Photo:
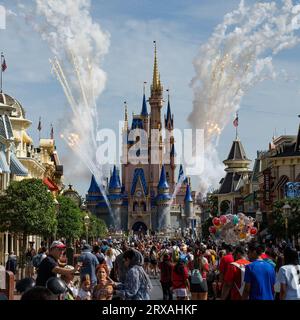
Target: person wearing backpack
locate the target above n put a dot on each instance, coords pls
(38, 258)
(233, 285)
(198, 281)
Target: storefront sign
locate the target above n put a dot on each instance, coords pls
(267, 187)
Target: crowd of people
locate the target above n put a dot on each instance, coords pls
(186, 269)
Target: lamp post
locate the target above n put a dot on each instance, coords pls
(86, 223)
(286, 213)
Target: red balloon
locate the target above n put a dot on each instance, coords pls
(223, 219)
(253, 231)
(212, 229)
(216, 221)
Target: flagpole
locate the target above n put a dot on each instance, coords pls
(236, 128)
(1, 72)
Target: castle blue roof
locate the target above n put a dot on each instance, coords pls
(169, 117)
(137, 123)
(94, 198)
(188, 194)
(181, 175)
(114, 182)
(163, 183)
(115, 196)
(139, 172)
(94, 188)
(144, 107)
(163, 197)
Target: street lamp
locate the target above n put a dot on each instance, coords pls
(259, 218)
(286, 213)
(86, 223)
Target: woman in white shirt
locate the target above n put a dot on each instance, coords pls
(289, 276)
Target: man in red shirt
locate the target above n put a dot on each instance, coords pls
(233, 285)
(225, 261)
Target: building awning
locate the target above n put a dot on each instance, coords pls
(16, 167)
(4, 168)
(50, 184)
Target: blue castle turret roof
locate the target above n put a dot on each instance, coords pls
(163, 183)
(188, 194)
(94, 188)
(144, 107)
(181, 175)
(169, 118)
(137, 123)
(114, 182)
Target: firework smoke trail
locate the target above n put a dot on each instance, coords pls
(237, 56)
(177, 188)
(79, 46)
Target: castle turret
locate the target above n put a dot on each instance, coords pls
(115, 198)
(170, 147)
(163, 203)
(188, 207)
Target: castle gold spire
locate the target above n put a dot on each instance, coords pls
(156, 85)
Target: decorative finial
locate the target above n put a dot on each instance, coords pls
(168, 90)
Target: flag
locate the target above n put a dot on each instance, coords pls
(236, 121)
(40, 125)
(4, 65)
(52, 132)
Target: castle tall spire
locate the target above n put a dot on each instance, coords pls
(156, 84)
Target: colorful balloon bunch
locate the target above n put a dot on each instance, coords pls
(233, 228)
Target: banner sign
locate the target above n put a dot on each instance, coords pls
(267, 187)
(292, 190)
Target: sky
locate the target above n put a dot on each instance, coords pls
(179, 28)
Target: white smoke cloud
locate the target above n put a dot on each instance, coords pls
(236, 57)
(79, 46)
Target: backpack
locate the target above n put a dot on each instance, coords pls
(242, 268)
(36, 260)
(196, 277)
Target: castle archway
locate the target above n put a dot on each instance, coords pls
(139, 227)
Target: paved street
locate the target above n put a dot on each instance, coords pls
(156, 293)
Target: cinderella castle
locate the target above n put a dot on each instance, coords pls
(142, 197)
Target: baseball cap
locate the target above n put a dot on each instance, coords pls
(57, 244)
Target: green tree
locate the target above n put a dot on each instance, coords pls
(69, 219)
(27, 208)
(96, 228)
(277, 226)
